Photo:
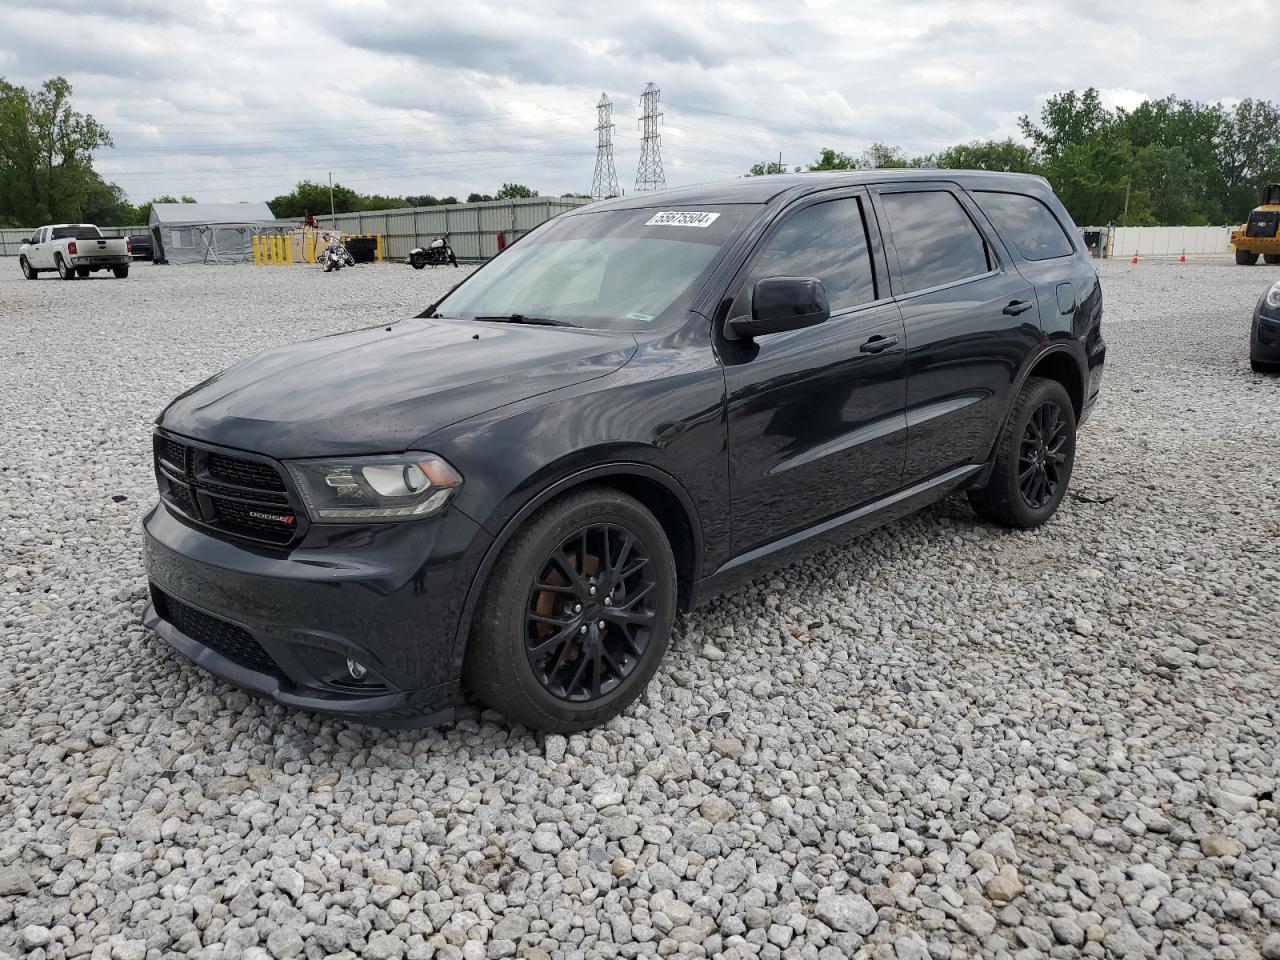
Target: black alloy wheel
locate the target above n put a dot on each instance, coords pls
(576, 613)
(1033, 458)
(1042, 457)
(590, 613)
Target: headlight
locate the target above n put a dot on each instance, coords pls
(1273, 296)
(404, 487)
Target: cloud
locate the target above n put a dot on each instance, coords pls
(228, 101)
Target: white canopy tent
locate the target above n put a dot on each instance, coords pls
(210, 232)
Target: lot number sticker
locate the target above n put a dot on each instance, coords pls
(681, 218)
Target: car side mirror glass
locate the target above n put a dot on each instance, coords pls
(779, 304)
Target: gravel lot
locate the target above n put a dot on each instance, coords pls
(944, 741)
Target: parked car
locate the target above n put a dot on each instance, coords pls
(74, 250)
(1264, 332)
(140, 246)
(642, 403)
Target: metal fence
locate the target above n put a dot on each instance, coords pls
(473, 227)
(12, 239)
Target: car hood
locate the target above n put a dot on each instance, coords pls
(378, 390)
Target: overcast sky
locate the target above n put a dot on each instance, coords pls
(239, 100)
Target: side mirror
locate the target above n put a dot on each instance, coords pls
(779, 304)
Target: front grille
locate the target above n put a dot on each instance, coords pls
(233, 642)
(244, 473)
(233, 495)
(274, 525)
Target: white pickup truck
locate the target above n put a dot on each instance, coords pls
(74, 250)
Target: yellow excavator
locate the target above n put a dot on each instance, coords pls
(1260, 236)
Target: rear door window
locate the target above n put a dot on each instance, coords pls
(1026, 224)
(936, 241)
(826, 240)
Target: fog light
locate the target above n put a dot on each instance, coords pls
(357, 669)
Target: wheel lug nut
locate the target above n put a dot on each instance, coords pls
(593, 591)
(601, 624)
(577, 608)
(583, 630)
(608, 601)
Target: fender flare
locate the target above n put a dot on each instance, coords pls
(1020, 381)
(544, 496)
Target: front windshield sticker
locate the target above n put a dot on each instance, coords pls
(639, 316)
(681, 218)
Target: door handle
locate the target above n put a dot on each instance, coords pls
(877, 344)
(1016, 307)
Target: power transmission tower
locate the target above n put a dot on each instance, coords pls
(605, 182)
(649, 175)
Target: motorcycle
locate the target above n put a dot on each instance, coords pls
(437, 253)
(334, 256)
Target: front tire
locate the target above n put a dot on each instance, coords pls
(1245, 258)
(1271, 258)
(576, 614)
(121, 272)
(28, 271)
(1034, 458)
(64, 269)
(1261, 366)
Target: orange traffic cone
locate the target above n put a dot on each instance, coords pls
(1183, 258)
(1135, 257)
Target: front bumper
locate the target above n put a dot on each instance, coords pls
(283, 623)
(1264, 339)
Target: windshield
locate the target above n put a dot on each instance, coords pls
(83, 232)
(617, 269)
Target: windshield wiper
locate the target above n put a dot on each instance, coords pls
(521, 318)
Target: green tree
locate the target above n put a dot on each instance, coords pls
(881, 156)
(514, 191)
(831, 159)
(766, 169)
(108, 204)
(1007, 156)
(1067, 119)
(309, 198)
(46, 154)
(479, 197)
(448, 201)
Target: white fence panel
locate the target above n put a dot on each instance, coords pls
(1170, 241)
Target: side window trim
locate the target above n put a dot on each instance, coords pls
(876, 246)
(995, 263)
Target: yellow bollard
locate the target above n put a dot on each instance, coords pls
(288, 250)
(378, 249)
(278, 252)
(257, 251)
(310, 250)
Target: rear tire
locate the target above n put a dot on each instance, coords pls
(28, 271)
(535, 658)
(1261, 366)
(1034, 458)
(121, 272)
(1245, 258)
(64, 271)
(1271, 258)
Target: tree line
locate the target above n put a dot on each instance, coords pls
(1168, 161)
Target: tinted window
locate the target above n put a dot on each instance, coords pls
(76, 232)
(937, 242)
(827, 241)
(1026, 224)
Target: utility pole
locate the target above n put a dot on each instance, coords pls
(333, 217)
(1126, 199)
(605, 182)
(649, 174)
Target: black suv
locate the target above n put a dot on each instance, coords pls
(639, 404)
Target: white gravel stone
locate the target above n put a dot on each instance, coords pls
(1090, 705)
